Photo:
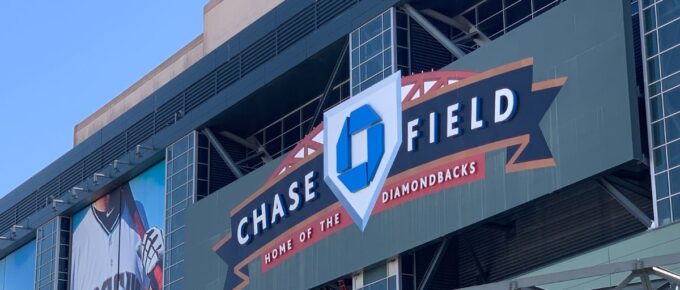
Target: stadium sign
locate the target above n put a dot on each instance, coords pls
(401, 139)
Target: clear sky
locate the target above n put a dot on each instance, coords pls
(62, 60)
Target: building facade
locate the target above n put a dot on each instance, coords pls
(355, 144)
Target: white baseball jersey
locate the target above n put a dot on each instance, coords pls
(95, 261)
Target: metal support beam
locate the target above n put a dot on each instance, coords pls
(461, 23)
(646, 283)
(265, 155)
(251, 144)
(438, 35)
(484, 274)
(631, 186)
(436, 259)
(626, 203)
(668, 275)
(223, 153)
(239, 140)
(625, 282)
(329, 86)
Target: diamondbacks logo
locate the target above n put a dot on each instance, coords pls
(361, 140)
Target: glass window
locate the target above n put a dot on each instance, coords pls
(489, 8)
(517, 12)
(392, 283)
(660, 159)
(661, 181)
(669, 35)
(355, 36)
(372, 51)
(675, 203)
(371, 29)
(387, 61)
(407, 282)
(371, 67)
(672, 101)
(663, 208)
(653, 69)
(649, 18)
(673, 154)
(670, 61)
(492, 26)
(180, 194)
(375, 79)
(656, 109)
(655, 89)
(672, 81)
(674, 179)
(402, 19)
(375, 274)
(355, 58)
(651, 43)
(387, 39)
(673, 127)
(657, 134)
(539, 4)
(668, 10)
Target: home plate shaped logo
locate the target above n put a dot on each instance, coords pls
(361, 138)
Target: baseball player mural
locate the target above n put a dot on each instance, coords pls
(118, 240)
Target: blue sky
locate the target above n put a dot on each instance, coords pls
(62, 60)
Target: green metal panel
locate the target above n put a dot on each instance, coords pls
(591, 127)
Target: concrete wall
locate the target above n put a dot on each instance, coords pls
(221, 20)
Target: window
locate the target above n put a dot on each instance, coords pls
(372, 55)
(380, 277)
(186, 182)
(52, 261)
(660, 27)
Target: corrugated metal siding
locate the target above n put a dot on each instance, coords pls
(200, 91)
(168, 113)
(92, 163)
(327, 10)
(71, 177)
(113, 149)
(258, 53)
(140, 131)
(296, 28)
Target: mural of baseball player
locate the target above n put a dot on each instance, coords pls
(118, 240)
(17, 270)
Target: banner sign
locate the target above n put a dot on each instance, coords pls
(401, 139)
